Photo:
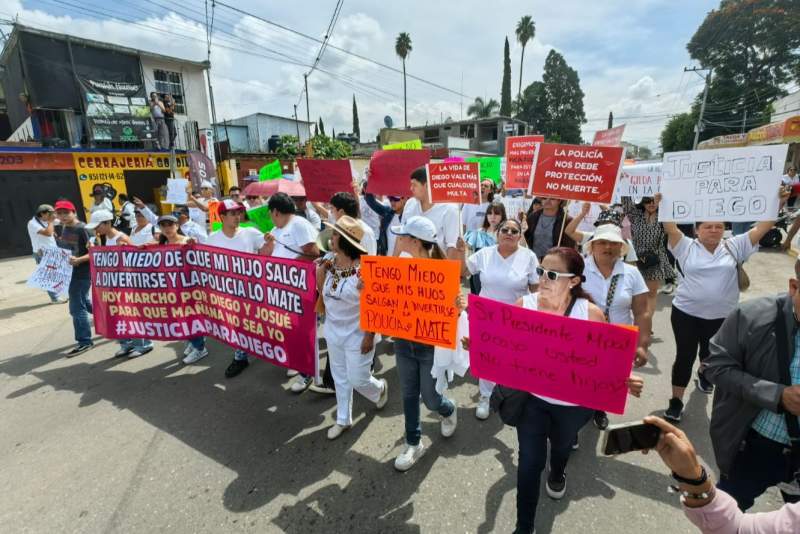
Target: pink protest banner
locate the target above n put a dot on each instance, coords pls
(520, 153)
(573, 172)
(261, 305)
(390, 170)
(576, 361)
(323, 178)
(454, 182)
(610, 137)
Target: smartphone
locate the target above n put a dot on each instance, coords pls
(627, 437)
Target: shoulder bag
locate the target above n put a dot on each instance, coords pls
(741, 275)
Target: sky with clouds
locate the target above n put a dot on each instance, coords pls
(629, 54)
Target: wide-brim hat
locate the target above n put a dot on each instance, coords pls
(350, 229)
(607, 232)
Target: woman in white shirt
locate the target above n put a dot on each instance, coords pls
(350, 349)
(507, 272)
(142, 232)
(708, 292)
(485, 236)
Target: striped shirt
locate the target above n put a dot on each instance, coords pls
(772, 425)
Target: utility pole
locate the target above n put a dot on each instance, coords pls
(610, 119)
(308, 113)
(744, 121)
(296, 124)
(699, 124)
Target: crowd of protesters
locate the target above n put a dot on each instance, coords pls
(539, 260)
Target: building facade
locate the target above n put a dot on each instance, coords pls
(252, 133)
(486, 135)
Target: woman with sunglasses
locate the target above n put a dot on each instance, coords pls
(350, 350)
(416, 238)
(507, 272)
(485, 236)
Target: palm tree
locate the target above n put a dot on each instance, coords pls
(402, 47)
(526, 29)
(480, 109)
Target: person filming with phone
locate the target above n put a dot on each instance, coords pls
(754, 363)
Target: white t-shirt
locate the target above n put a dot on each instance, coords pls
(246, 239)
(313, 217)
(143, 236)
(195, 231)
(368, 241)
(38, 240)
(472, 215)
(788, 180)
(504, 279)
(443, 216)
(127, 212)
(391, 239)
(629, 285)
(104, 205)
(290, 239)
(630, 257)
(579, 311)
(372, 219)
(709, 287)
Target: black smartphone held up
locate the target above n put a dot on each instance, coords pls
(627, 437)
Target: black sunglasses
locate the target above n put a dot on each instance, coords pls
(509, 231)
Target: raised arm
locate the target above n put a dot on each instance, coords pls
(674, 233)
(572, 228)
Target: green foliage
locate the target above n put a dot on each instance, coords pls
(326, 148)
(644, 153)
(402, 46)
(532, 107)
(321, 127)
(356, 126)
(288, 148)
(505, 89)
(678, 134)
(480, 109)
(526, 30)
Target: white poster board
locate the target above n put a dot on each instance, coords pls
(587, 224)
(176, 191)
(725, 184)
(637, 181)
(53, 272)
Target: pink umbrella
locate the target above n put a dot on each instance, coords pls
(270, 187)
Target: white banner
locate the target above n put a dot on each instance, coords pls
(725, 184)
(53, 272)
(637, 181)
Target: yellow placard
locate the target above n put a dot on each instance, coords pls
(414, 144)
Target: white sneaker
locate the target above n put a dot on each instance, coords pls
(187, 349)
(668, 289)
(122, 352)
(291, 373)
(409, 457)
(336, 430)
(384, 398)
(449, 423)
(482, 411)
(195, 356)
(300, 384)
(139, 352)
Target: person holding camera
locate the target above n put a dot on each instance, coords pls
(159, 125)
(754, 363)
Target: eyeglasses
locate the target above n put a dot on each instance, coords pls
(553, 275)
(509, 231)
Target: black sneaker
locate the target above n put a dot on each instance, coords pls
(703, 385)
(674, 411)
(600, 420)
(556, 487)
(78, 350)
(236, 367)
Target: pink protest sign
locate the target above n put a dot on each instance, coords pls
(261, 305)
(581, 362)
(390, 170)
(323, 178)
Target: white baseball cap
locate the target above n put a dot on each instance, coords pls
(206, 184)
(99, 217)
(419, 227)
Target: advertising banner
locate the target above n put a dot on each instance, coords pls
(116, 111)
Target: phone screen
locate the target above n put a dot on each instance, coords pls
(631, 437)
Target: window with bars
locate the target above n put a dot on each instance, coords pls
(168, 82)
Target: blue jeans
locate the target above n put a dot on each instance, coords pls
(79, 308)
(738, 228)
(135, 344)
(414, 363)
(198, 343)
(53, 296)
(759, 466)
(542, 421)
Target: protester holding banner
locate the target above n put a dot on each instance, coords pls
(391, 215)
(72, 235)
(507, 272)
(708, 292)
(472, 215)
(546, 227)
(350, 350)
(41, 229)
(416, 238)
(444, 216)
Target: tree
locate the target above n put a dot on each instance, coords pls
(402, 47)
(321, 127)
(505, 89)
(526, 29)
(480, 109)
(753, 47)
(324, 147)
(564, 99)
(288, 148)
(645, 153)
(678, 134)
(532, 107)
(356, 127)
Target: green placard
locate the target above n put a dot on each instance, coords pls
(414, 144)
(260, 218)
(270, 171)
(490, 168)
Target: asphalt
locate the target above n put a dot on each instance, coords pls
(93, 444)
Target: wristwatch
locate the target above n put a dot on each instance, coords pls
(692, 482)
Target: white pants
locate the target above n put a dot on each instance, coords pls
(351, 370)
(485, 387)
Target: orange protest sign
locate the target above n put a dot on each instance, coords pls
(411, 299)
(213, 213)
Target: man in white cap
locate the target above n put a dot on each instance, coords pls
(41, 230)
(444, 216)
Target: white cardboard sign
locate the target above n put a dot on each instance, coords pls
(637, 181)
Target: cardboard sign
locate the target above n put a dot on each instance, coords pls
(53, 272)
(520, 154)
(259, 304)
(176, 191)
(213, 213)
(412, 299)
(270, 171)
(572, 172)
(414, 144)
(723, 184)
(610, 137)
(571, 360)
(390, 171)
(454, 182)
(260, 218)
(637, 181)
(323, 178)
(490, 168)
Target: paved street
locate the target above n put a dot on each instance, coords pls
(95, 444)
